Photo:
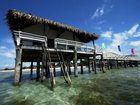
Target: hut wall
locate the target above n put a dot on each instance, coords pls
(38, 29)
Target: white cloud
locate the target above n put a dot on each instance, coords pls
(6, 52)
(121, 38)
(135, 43)
(133, 29)
(107, 34)
(99, 12)
(137, 34)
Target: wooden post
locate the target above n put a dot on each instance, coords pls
(81, 66)
(18, 65)
(75, 63)
(38, 71)
(117, 64)
(108, 64)
(89, 65)
(124, 63)
(94, 57)
(47, 70)
(54, 69)
(69, 67)
(92, 65)
(62, 69)
(31, 72)
(102, 64)
(21, 70)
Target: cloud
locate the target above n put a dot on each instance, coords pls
(135, 43)
(133, 29)
(6, 52)
(137, 34)
(121, 38)
(107, 34)
(99, 12)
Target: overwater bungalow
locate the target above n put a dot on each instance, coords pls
(48, 42)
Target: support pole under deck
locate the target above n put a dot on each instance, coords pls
(38, 71)
(94, 57)
(31, 72)
(81, 66)
(21, 70)
(54, 69)
(18, 65)
(89, 65)
(69, 67)
(75, 63)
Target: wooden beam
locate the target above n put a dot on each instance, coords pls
(18, 65)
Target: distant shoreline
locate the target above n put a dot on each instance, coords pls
(12, 70)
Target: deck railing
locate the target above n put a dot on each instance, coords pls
(19, 35)
(71, 45)
(58, 42)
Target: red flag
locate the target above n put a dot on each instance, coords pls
(132, 51)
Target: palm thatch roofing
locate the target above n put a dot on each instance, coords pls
(18, 20)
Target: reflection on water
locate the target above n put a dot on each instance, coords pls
(115, 87)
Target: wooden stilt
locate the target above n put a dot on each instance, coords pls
(92, 64)
(75, 63)
(21, 70)
(102, 64)
(89, 65)
(38, 71)
(54, 69)
(94, 57)
(69, 67)
(62, 74)
(108, 64)
(124, 64)
(18, 65)
(81, 66)
(31, 72)
(47, 70)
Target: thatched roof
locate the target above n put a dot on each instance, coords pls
(19, 20)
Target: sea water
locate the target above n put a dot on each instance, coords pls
(115, 87)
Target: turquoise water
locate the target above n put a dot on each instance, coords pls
(115, 87)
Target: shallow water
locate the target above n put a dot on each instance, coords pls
(115, 87)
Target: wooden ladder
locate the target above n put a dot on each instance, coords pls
(45, 58)
(65, 72)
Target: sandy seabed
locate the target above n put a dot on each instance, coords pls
(115, 87)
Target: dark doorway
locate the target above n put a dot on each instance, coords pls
(50, 43)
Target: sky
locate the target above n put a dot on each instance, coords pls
(117, 22)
